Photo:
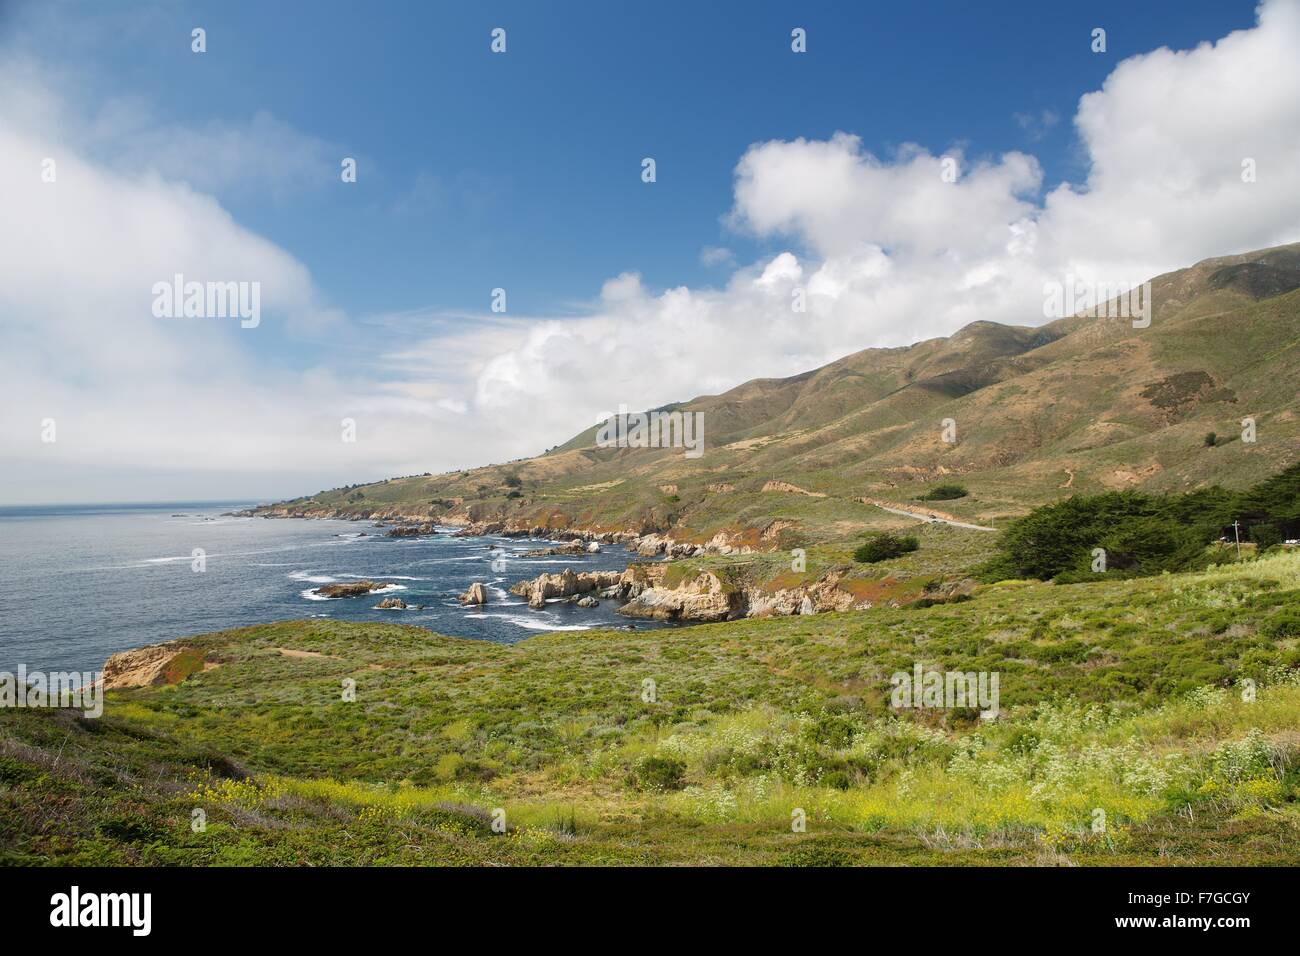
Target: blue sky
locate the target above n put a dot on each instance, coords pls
(522, 170)
(777, 173)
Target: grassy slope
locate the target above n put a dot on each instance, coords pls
(1103, 692)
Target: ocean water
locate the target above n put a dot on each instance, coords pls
(80, 583)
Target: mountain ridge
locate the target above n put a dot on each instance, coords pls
(1079, 404)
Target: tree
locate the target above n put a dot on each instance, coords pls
(1265, 536)
(1140, 533)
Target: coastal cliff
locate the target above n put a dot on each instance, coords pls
(667, 592)
(156, 664)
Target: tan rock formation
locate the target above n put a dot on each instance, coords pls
(477, 594)
(168, 663)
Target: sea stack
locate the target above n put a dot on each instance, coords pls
(476, 594)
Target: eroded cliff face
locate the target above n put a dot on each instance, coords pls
(707, 597)
(660, 591)
(566, 584)
(168, 663)
(704, 597)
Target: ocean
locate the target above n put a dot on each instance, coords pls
(78, 583)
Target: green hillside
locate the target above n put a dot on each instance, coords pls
(1079, 405)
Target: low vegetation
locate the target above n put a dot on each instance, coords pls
(1147, 720)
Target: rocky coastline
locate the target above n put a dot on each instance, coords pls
(645, 591)
(642, 590)
(644, 542)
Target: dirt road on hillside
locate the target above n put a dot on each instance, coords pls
(923, 514)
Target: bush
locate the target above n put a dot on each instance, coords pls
(1211, 439)
(1283, 624)
(659, 774)
(882, 547)
(837, 780)
(513, 481)
(944, 493)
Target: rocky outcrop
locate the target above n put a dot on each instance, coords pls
(477, 594)
(573, 547)
(168, 663)
(703, 598)
(791, 489)
(565, 584)
(350, 589)
(659, 591)
(413, 530)
(391, 604)
(821, 595)
(774, 528)
(707, 597)
(651, 545)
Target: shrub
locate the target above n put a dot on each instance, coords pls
(882, 547)
(659, 774)
(944, 493)
(1285, 623)
(837, 780)
(513, 481)
(1211, 439)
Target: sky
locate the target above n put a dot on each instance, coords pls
(126, 157)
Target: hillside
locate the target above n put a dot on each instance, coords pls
(1077, 405)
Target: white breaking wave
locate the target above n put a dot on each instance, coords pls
(387, 577)
(312, 578)
(532, 623)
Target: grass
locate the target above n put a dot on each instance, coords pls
(1167, 708)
